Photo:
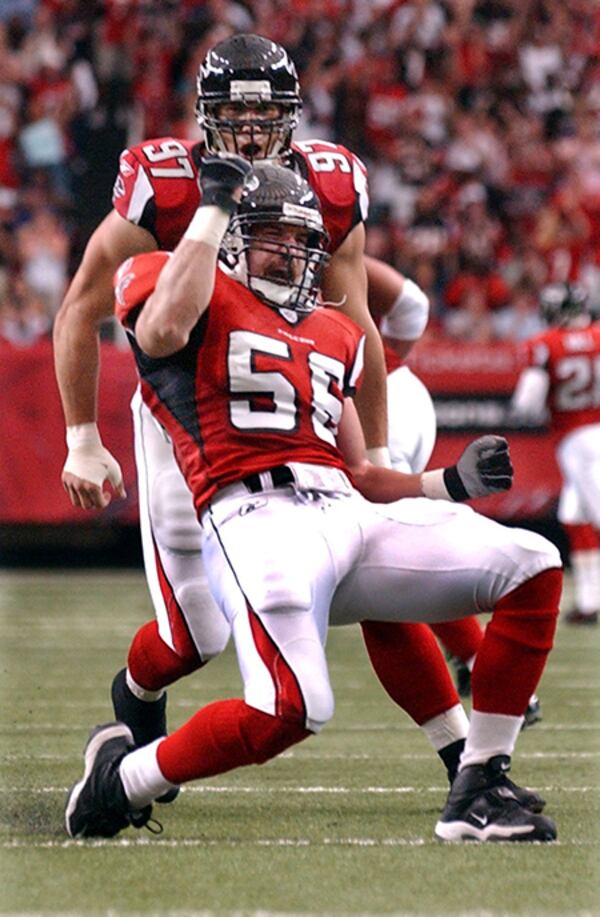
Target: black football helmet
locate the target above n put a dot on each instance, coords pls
(248, 70)
(560, 302)
(275, 195)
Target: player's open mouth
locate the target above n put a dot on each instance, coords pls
(278, 275)
(250, 150)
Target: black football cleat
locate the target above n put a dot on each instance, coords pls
(527, 798)
(146, 719)
(97, 805)
(482, 806)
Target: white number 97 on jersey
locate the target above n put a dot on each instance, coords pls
(162, 152)
(332, 158)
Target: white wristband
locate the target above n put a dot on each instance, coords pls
(433, 486)
(209, 225)
(380, 455)
(83, 434)
(407, 319)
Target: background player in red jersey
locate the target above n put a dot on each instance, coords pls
(254, 383)
(563, 378)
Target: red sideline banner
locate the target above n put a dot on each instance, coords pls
(470, 385)
(33, 442)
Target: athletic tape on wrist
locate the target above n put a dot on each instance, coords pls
(83, 434)
(443, 484)
(209, 225)
(433, 486)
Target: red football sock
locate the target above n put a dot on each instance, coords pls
(154, 665)
(408, 663)
(462, 638)
(222, 736)
(515, 646)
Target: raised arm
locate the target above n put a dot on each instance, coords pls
(186, 283)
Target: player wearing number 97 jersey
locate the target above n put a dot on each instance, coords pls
(157, 186)
(562, 376)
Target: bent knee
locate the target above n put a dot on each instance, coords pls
(319, 711)
(538, 554)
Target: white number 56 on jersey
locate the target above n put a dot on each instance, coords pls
(282, 415)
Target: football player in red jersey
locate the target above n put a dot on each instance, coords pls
(248, 103)
(562, 377)
(254, 383)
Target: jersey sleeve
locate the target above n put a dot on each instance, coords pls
(339, 179)
(156, 188)
(134, 281)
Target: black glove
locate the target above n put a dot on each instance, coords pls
(219, 177)
(483, 468)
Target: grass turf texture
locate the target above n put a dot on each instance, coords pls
(341, 824)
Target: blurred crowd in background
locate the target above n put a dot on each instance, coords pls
(479, 121)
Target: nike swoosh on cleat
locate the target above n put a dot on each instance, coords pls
(482, 819)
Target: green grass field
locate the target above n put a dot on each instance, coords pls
(341, 824)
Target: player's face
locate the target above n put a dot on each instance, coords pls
(250, 131)
(277, 252)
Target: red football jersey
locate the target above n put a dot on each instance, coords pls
(157, 187)
(250, 390)
(571, 357)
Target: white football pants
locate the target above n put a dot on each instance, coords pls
(284, 566)
(170, 530)
(578, 456)
(411, 421)
(171, 541)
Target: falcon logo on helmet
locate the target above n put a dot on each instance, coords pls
(276, 198)
(248, 98)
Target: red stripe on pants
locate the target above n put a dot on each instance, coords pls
(289, 702)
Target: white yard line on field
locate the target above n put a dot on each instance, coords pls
(306, 790)
(180, 843)
(256, 842)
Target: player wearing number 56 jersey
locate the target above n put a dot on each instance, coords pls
(249, 382)
(248, 103)
(292, 545)
(563, 378)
